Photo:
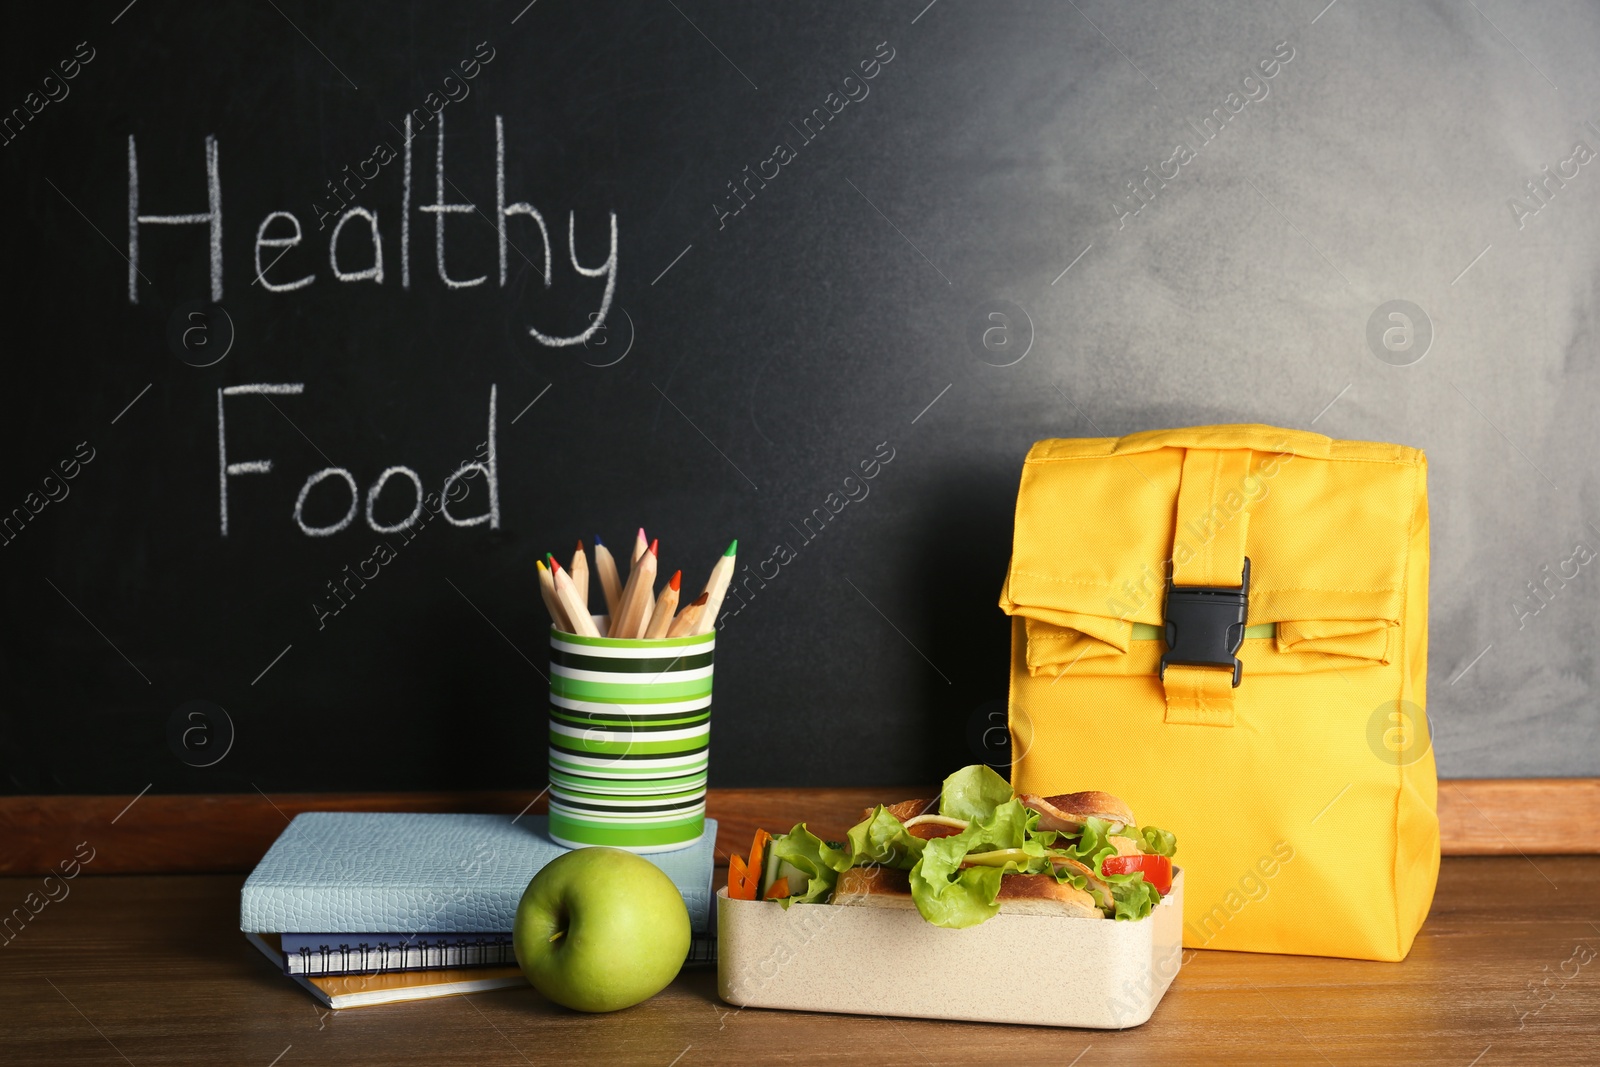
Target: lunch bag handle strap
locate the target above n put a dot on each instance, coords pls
(1208, 594)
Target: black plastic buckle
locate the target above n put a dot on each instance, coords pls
(1205, 625)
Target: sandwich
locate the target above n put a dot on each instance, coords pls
(974, 852)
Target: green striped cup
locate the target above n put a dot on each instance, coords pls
(630, 734)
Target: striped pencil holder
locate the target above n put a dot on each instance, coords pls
(630, 735)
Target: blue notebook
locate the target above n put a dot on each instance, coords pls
(420, 873)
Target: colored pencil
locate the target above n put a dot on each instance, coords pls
(688, 620)
(610, 584)
(638, 597)
(551, 566)
(717, 588)
(577, 614)
(666, 604)
(580, 575)
(547, 590)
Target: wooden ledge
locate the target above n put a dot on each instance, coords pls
(230, 832)
(1519, 816)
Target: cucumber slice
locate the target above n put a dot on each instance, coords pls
(798, 880)
(777, 868)
(769, 873)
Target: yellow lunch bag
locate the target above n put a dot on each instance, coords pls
(1227, 626)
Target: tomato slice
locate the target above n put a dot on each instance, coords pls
(1157, 870)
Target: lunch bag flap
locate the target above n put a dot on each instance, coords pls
(1190, 506)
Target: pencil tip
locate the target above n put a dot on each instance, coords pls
(653, 545)
(675, 580)
(597, 542)
(733, 548)
(555, 564)
(540, 564)
(580, 545)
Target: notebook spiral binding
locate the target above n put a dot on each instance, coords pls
(403, 954)
(419, 954)
(702, 951)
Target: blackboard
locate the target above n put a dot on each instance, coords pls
(783, 241)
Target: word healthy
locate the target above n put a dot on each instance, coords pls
(281, 231)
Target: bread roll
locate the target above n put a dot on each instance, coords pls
(1067, 812)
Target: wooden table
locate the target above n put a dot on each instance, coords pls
(151, 970)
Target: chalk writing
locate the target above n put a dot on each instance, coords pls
(280, 234)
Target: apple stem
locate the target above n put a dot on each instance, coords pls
(557, 935)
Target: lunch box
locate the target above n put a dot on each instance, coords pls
(890, 961)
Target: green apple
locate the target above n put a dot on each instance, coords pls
(600, 929)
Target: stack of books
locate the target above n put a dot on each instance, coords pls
(367, 908)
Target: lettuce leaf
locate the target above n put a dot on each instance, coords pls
(812, 856)
(1132, 896)
(878, 840)
(955, 897)
(1071, 877)
(973, 792)
(962, 898)
(1159, 842)
(1093, 845)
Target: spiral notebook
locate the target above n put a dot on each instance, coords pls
(364, 990)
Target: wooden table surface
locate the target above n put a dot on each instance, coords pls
(149, 970)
